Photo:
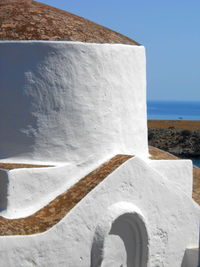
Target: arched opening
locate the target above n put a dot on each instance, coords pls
(126, 244)
(123, 244)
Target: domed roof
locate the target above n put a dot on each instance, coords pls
(30, 20)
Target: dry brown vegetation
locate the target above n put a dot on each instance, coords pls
(177, 124)
(11, 166)
(160, 154)
(60, 206)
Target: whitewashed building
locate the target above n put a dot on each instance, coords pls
(72, 106)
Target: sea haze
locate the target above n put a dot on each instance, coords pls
(173, 110)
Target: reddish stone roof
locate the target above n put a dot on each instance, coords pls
(30, 20)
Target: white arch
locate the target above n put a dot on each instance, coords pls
(124, 221)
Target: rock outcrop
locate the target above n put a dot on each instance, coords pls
(180, 142)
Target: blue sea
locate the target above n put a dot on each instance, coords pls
(174, 110)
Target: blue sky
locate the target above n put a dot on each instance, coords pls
(170, 31)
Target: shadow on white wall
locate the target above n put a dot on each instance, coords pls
(121, 242)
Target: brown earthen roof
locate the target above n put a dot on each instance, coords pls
(51, 214)
(30, 20)
(11, 166)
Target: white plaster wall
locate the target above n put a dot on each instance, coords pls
(170, 216)
(71, 102)
(25, 191)
(178, 171)
(121, 239)
(28, 190)
(80, 103)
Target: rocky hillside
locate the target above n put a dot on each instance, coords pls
(180, 142)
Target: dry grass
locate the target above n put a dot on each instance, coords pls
(159, 154)
(177, 124)
(11, 166)
(60, 206)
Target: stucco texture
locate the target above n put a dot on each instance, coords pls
(170, 228)
(71, 102)
(74, 106)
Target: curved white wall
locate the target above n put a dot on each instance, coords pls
(171, 219)
(71, 102)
